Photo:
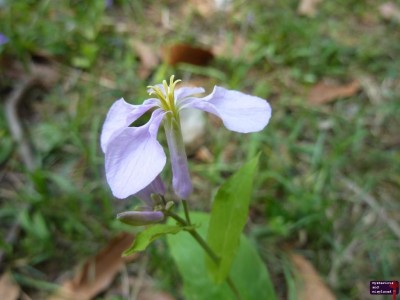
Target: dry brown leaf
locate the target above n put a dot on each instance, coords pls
(183, 53)
(311, 286)
(390, 11)
(308, 7)
(324, 92)
(148, 58)
(154, 295)
(97, 273)
(8, 288)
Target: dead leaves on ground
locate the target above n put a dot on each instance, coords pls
(9, 290)
(327, 91)
(92, 278)
(310, 285)
(97, 273)
(173, 54)
(185, 53)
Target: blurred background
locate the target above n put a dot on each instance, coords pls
(325, 209)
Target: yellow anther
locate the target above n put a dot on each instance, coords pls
(167, 98)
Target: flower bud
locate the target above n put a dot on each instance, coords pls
(139, 218)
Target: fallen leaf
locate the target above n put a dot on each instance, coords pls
(148, 58)
(154, 295)
(308, 8)
(97, 273)
(390, 11)
(9, 290)
(183, 53)
(311, 286)
(324, 92)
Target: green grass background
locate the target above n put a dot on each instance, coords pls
(318, 164)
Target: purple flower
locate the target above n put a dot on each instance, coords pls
(134, 157)
(3, 39)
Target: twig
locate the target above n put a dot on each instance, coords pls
(186, 209)
(17, 132)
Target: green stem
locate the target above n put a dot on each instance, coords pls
(193, 232)
(186, 209)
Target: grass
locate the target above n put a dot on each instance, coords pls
(310, 154)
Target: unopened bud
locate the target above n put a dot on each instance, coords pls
(139, 218)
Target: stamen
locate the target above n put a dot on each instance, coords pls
(167, 98)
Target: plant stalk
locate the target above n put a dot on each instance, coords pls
(186, 209)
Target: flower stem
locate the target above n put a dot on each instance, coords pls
(193, 232)
(186, 209)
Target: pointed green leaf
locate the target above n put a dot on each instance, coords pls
(249, 272)
(144, 238)
(228, 217)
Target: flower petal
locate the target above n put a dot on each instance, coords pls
(120, 116)
(239, 112)
(134, 158)
(183, 92)
(3, 39)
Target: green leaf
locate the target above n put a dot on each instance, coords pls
(248, 270)
(144, 238)
(228, 217)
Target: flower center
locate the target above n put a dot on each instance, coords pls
(166, 97)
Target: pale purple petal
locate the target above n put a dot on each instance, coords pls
(239, 112)
(155, 187)
(134, 158)
(120, 116)
(3, 39)
(139, 218)
(180, 170)
(183, 92)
